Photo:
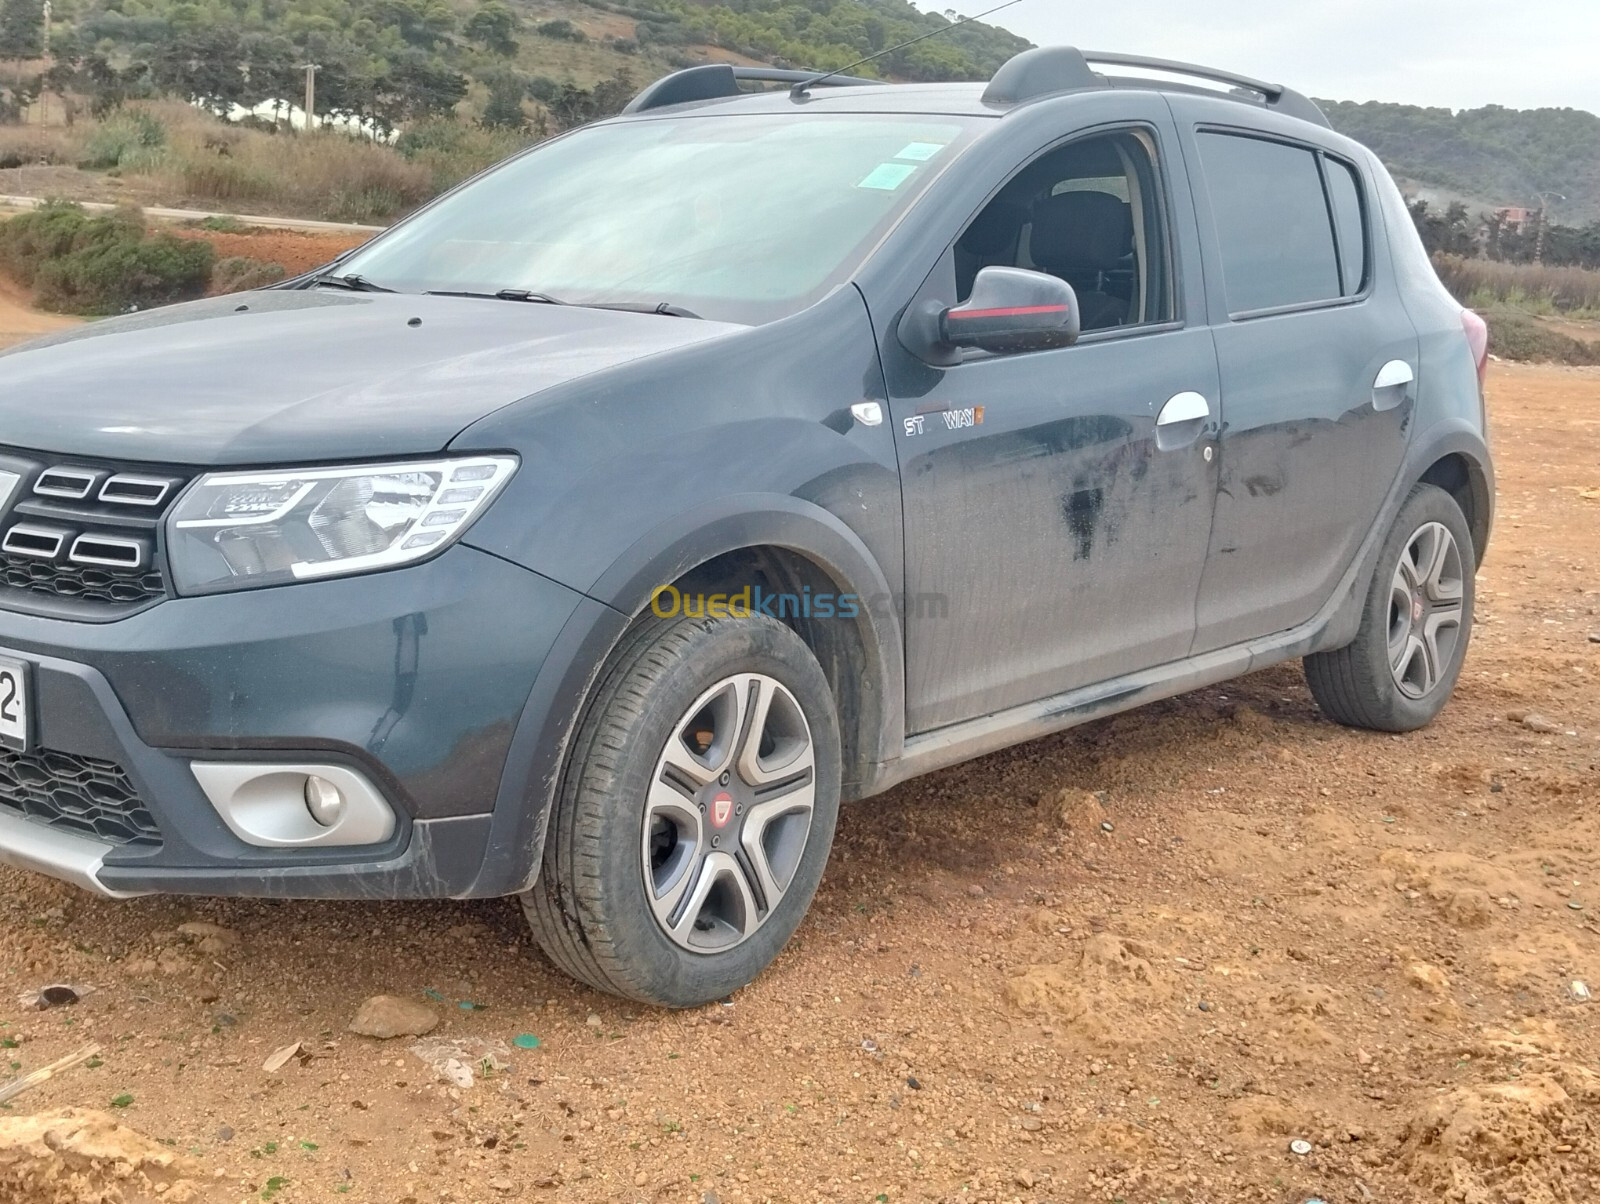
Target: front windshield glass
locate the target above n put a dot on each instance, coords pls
(742, 218)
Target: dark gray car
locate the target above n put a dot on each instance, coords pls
(590, 535)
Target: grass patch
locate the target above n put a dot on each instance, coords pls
(1529, 287)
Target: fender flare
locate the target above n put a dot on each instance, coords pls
(1452, 436)
(620, 594)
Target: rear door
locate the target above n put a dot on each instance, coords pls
(1317, 359)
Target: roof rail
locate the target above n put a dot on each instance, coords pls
(718, 81)
(1285, 100)
(1051, 69)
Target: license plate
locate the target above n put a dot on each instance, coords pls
(16, 731)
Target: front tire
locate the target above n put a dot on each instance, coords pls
(695, 814)
(1403, 665)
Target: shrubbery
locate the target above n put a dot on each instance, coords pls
(237, 273)
(451, 152)
(1518, 337)
(82, 264)
(128, 138)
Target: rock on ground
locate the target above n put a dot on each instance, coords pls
(77, 1156)
(386, 1016)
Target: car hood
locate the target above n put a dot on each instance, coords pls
(286, 376)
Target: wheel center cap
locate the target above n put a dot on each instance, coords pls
(721, 810)
(1416, 608)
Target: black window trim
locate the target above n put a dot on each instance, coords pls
(1363, 211)
(1320, 153)
(1179, 320)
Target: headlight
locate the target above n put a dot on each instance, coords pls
(233, 530)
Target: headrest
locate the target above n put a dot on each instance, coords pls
(995, 231)
(1081, 232)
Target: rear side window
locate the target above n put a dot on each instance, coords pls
(1349, 224)
(1273, 227)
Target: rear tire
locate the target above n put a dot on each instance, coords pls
(1399, 671)
(686, 843)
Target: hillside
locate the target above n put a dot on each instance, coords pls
(1493, 156)
(445, 73)
(397, 62)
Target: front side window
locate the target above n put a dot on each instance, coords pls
(1091, 213)
(1273, 227)
(743, 218)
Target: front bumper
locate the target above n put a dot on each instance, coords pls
(417, 678)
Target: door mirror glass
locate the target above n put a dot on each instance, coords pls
(1013, 310)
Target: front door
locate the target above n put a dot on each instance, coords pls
(1055, 530)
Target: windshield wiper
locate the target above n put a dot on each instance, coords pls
(665, 308)
(505, 294)
(355, 283)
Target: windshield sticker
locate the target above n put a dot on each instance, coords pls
(921, 151)
(887, 177)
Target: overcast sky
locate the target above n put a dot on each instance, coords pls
(1456, 54)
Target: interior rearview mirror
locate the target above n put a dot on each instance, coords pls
(1011, 310)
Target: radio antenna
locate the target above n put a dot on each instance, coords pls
(799, 91)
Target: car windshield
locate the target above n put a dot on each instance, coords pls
(741, 218)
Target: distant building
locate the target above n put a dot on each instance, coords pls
(1514, 218)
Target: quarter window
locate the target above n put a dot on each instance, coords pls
(1344, 193)
(1272, 223)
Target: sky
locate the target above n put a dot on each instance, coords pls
(1453, 54)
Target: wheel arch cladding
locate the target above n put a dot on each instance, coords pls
(1466, 482)
(843, 647)
(789, 546)
(794, 544)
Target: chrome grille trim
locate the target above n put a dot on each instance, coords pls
(74, 484)
(131, 489)
(25, 539)
(107, 550)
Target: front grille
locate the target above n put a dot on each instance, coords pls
(82, 539)
(76, 794)
(73, 581)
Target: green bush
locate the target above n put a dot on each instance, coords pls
(560, 30)
(237, 273)
(131, 138)
(108, 264)
(33, 238)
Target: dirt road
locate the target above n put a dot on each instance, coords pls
(1133, 962)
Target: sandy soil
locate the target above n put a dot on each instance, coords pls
(1133, 962)
(297, 252)
(18, 323)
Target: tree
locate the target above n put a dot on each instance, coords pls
(205, 63)
(416, 86)
(504, 110)
(494, 27)
(21, 29)
(421, 23)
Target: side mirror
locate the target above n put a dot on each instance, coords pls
(1013, 310)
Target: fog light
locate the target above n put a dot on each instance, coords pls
(324, 801)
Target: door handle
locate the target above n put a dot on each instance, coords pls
(1185, 407)
(1392, 384)
(1181, 421)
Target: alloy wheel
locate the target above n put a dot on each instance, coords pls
(728, 813)
(1425, 610)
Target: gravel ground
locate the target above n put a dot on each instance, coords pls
(1133, 962)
